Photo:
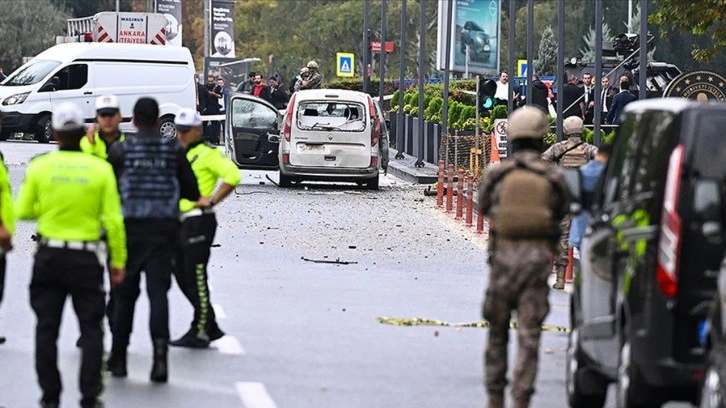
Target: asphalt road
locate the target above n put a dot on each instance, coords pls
(303, 334)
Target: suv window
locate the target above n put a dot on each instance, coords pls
(619, 161)
(72, 77)
(711, 143)
(652, 154)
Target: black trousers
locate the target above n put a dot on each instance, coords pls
(151, 249)
(3, 264)
(195, 241)
(58, 273)
(211, 130)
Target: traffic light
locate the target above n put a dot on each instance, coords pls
(487, 90)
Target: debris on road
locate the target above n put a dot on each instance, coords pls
(336, 262)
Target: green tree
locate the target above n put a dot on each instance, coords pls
(704, 18)
(588, 53)
(546, 62)
(26, 31)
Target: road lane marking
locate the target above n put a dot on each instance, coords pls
(229, 345)
(219, 312)
(254, 395)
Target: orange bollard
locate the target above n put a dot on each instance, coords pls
(469, 200)
(450, 189)
(570, 265)
(460, 195)
(480, 223)
(440, 185)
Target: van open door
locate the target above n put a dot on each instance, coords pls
(250, 121)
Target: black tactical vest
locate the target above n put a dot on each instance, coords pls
(148, 185)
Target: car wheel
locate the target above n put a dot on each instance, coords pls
(285, 181)
(577, 375)
(42, 129)
(4, 136)
(711, 394)
(631, 392)
(372, 184)
(167, 128)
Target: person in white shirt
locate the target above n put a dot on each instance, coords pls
(502, 94)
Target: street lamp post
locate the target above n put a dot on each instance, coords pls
(382, 55)
(421, 80)
(401, 82)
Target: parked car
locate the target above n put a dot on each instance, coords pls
(249, 122)
(713, 392)
(648, 259)
(80, 72)
(332, 135)
(477, 40)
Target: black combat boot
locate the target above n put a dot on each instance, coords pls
(160, 369)
(116, 362)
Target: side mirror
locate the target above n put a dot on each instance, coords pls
(50, 86)
(573, 178)
(388, 124)
(707, 203)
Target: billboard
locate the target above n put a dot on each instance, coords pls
(222, 35)
(474, 36)
(172, 10)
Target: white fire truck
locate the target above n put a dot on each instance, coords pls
(118, 27)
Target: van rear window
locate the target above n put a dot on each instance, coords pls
(710, 145)
(336, 115)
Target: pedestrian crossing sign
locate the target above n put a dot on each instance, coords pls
(345, 67)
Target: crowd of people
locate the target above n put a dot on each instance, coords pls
(213, 96)
(578, 95)
(130, 204)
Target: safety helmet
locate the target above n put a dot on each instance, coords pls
(313, 64)
(573, 126)
(527, 122)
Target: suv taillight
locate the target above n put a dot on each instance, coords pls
(669, 244)
(376, 131)
(288, 119)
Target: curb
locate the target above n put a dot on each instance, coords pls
(404, 169)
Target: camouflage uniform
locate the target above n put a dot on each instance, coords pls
(313, 81)
(555, 154)
(518, 281)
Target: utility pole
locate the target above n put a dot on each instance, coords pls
(207, 24)
(366, 45)
(382, 60)
(401, 86)
(421, 82)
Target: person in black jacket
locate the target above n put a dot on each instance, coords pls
(539, 94)
(278, 96)
(153, 174)
(620, 100)
(571, 93)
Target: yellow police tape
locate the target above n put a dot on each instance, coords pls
(483, 324)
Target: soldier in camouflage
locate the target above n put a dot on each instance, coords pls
(525, 199)
(314, 80)
(571, 153)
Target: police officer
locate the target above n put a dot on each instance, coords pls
(7, 222)
(72, 195)
(525, 199)
(108, 118)
(571, 153)
(199, 226)
(153, 175)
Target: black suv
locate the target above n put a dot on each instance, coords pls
(649, 259)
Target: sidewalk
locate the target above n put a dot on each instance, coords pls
(405, 168)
